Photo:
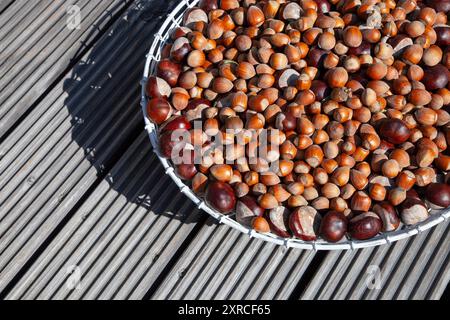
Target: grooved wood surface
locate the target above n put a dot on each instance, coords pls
(86, 211)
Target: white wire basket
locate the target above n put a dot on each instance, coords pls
(172, 21)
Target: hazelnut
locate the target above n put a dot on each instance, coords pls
(260, 224)
(361, 202)
(377, 192)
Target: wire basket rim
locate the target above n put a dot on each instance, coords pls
(173, 20)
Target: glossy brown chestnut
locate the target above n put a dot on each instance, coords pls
(304, 222)
(436, 77)
(278, 219)
(443, 35)
(413, 211)
(159, 110)
(176, 123)
(186, 171)
(334, 226)
(365, 226)
(220, 196)
(167, 143)
(388, 215)
(158, 88)
(438, 195)
(208, 5)
(169, 71)
(394, 131)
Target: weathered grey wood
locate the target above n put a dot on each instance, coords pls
(417, 251)
(114, 240)
(128, 230)
(4, 4)
(56, 154)
(31, 65)
(413, 268)
(223, 264)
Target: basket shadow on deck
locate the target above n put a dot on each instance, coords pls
(103, 93)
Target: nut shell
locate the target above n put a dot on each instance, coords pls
(438, 195)
(333, 226)
(388, 215)
(365, 226)
(413, 211)
(278, 219)
(304, 222)
(395, 131)
(221, 197)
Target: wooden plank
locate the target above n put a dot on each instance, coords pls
(58, 152)
(413, 268)
(4, 4)
(113, 239)
(411, 263)
(222, 263)
(43, 50)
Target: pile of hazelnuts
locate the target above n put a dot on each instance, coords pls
(355, 96)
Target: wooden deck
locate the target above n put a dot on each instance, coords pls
(86, 212)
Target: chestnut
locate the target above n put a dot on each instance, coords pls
(169, 71)
(365, 226)
(443, 35)
(220, 196)
(247, 209)
(334, 226)
(440, 5)
(438, 195)
(436, 77)
(323, 6)
(304, 222)
(167, 145)
(176, 123)
(413, 211)
(180, 49)
(394, 131)
(158, 88)
(159, 110)
(388, 215)
(186, 171)
(278, 219)
(320, 89)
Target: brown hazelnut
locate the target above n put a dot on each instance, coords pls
(361, 202)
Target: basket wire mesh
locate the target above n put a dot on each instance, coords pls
(173, 20)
